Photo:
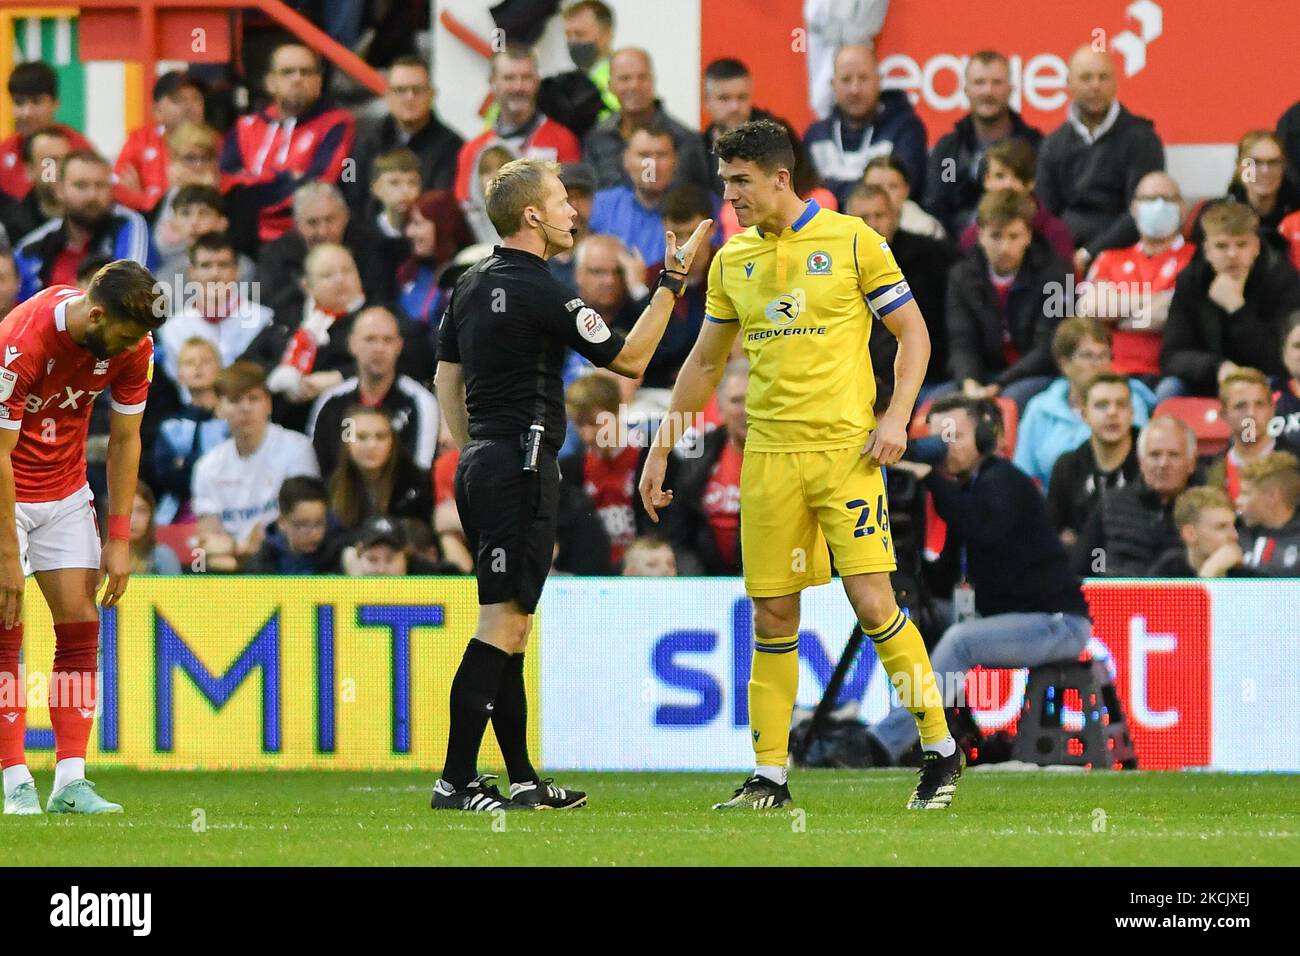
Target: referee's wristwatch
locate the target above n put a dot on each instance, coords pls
(673, 281)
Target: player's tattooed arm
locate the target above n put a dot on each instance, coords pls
(11, 568)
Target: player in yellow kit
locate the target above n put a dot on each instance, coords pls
(801, 285)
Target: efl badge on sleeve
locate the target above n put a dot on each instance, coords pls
(8, 379)
(889, 255)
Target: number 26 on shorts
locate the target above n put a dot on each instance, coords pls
(864, 526)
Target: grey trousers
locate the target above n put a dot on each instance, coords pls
(1003, 640)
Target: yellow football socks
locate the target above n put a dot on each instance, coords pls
(902, 652)
(773, 683)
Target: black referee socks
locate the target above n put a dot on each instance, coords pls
(473, 696)
(510, 721)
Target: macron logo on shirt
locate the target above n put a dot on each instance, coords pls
(11, 355)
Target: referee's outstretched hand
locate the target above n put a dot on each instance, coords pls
(679, 260)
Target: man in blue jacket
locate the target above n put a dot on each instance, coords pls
(1053, 422)
(91, 225)
(865, 123)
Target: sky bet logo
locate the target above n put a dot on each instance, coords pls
(672, 665)
(77, 909)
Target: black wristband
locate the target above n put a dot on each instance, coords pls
(673, 281)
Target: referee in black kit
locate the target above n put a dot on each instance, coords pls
(501, 346)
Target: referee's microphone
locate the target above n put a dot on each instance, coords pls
(546, 237)
(538, 221)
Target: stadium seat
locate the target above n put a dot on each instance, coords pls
(1102, 742)
(180, 538)
(1203, 416)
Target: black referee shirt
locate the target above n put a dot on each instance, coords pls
(509, 325)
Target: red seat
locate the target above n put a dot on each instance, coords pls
(1204, 416)
(181, 538)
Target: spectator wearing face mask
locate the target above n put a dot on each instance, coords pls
(1131, 289)
(589, 35)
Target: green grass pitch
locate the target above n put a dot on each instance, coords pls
(842, 817)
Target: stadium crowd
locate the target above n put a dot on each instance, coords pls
(308, 258)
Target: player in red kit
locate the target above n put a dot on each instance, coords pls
(60, 350)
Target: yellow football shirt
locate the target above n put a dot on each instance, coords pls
(804, 300)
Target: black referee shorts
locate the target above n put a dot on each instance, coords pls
(509, 516)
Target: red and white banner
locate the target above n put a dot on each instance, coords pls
(1205, 71)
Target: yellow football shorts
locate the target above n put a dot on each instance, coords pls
(793, 504)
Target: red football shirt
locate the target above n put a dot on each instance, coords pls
(13, 174)
(145, 151)
(1290, 230)
(610, 483)
(1137, 352)
(722, 502)
(47, 386)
